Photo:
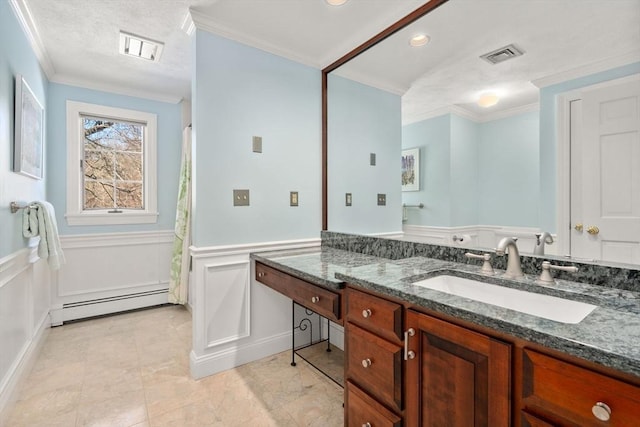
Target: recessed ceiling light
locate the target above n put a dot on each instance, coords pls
(336, 2)
(140, 47)
(419, 40)
(488, 100)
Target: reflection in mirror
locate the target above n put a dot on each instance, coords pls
(501, 169)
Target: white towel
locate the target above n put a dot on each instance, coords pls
(39, 219)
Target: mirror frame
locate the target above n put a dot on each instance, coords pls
(397, 26)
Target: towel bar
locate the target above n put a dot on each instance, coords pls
(15, 206)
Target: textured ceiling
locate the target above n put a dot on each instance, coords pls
(80, 41)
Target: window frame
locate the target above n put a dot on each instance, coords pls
(76, 214)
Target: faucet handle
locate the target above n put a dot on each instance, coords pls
(486, 265)
(546, 277)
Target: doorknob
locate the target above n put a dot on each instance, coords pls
(578, 227)
(593, 230)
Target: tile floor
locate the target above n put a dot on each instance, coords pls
(133, 370)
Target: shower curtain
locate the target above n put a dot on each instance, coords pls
(180, 259)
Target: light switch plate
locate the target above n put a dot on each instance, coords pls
(257, 144)
(293, 198)
(347, 199)
(372, 159)
(382, 199)
(240, 197)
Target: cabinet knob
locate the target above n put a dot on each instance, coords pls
(593, 230)
(366, 313)
(315, 299)
(261, 274)
(601, 411)
(578, 227)
(366, 363)
(366, 425)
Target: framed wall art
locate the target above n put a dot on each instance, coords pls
(29, 131)
(411, 169)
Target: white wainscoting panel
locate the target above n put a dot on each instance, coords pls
(24, 318)
(107, 273)
(480, 236)
(227, 293)
(236, 320)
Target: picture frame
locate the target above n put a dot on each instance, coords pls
(411, 169)
(29, 131)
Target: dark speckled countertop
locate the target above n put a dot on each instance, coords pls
(609, 336)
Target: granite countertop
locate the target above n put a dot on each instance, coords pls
(609, 335)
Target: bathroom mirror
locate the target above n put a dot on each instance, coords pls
(486, 172)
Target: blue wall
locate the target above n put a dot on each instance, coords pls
(363, 120)
(16, 57)
(239, 92)
(548, 142)
(508, 179)
(475, 173)
(433, 137)
(168, 150)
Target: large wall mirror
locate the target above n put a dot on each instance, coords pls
(516, 143)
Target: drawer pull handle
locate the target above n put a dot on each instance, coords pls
(366, 425)
(601, 411)
(366, 313)
(366, 363)
(409, 333)
(315, 299)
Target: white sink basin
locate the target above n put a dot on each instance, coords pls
(546, 306)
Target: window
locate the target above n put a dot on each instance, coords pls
(111, 165)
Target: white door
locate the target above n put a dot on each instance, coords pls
(605, 173)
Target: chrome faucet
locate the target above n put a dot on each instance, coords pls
(541, 239)
(513, 262)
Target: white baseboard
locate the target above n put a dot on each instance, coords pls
(212, 363)
(21, 367)
(87, 309)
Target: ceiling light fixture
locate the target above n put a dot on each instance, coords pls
(140, 47)
(488, 100)
(336, 2)
(419, 40)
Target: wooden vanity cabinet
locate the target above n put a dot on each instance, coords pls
(321, 300)
(455, 376)
(373, 360)
(565, 394)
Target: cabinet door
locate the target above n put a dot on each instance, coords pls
(457, 377)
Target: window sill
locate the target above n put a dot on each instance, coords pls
(102, 218)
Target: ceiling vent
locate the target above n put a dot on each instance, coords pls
(140, 47)
(502, 54)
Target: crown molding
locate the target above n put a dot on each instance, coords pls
(115, 89)
(206, 23)
(464, 113)
(366, 80)
(22, 12)
(188, 25)
(594, 67)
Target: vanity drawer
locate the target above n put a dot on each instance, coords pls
(321, 300)
(375, 314)
(362, 410)
(375, 365)
(570, 392)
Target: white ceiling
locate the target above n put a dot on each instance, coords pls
(77, 41)
(79, 38)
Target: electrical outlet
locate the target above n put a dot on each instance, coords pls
(240, 197)
(257, 144)
(372, 159)
(347, 199)
(293, 198)
(382, 199)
